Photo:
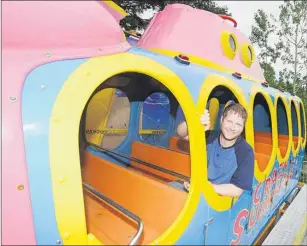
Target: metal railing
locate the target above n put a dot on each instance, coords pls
(122, 209)
(117, 131)
(161, 169)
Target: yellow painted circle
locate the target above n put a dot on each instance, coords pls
(247, 54)
(217, 202)
(260, 176)
(229, 52)
(286, 105)
(303, 138)
(64, 150)
(295, 150)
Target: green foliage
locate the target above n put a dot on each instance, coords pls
(261, 32)
(291, 48)
(293, 39)
(137, 8)
(269, 73)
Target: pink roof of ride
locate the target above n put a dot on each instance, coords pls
(196, 32)
(59, 25)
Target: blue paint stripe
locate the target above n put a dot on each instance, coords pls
(195, 232)
(37, 103)
(192, 75)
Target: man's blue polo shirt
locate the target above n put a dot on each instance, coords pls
(232, 165)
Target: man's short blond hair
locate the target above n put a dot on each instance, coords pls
(237, 109)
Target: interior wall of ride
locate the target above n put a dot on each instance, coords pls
(282, 128)
(263, 132)
(130, 120)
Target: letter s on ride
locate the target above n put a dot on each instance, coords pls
(238, 228)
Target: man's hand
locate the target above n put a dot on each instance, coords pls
(205, 119)
(186, 185)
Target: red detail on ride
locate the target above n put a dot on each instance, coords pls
(238, 229)
(226, 17)
(265, 83)
(256, 197)
(238, 75)
(183, 57)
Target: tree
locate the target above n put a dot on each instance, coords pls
(137, 8)
(293, 27)
(268, 53)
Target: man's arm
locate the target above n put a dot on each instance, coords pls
(243, 177)
(182, 129)
(227, 190)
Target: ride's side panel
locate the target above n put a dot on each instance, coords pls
(196, 231)
(36, 113)
(58, 32)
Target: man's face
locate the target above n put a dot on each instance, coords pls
(232, 126)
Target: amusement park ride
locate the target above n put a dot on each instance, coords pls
(89, 128)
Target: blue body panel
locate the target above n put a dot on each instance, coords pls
(37, 105)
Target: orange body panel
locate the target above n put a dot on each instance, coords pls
(263, 134)
(283, 142)
(283, 151)
(157, 204)
(266, 138)
(262, 160)
(262, 139)
(263, 148)
(169, 159)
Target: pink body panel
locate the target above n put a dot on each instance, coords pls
(35, 33)
(197, 32)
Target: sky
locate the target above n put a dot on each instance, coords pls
(243, 12)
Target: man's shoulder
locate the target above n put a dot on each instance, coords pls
(243, 149)
(211, 135)
(242, 144)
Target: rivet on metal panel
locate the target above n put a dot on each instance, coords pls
(55, 119)
(13, 99)
(48, 54)
(20, 187)
(58, 242)
(99, 49)
(61, 180)
(42, 87)
(66, 235)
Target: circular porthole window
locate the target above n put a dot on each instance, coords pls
(232, 43)
(229, 44)
(248, 54)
